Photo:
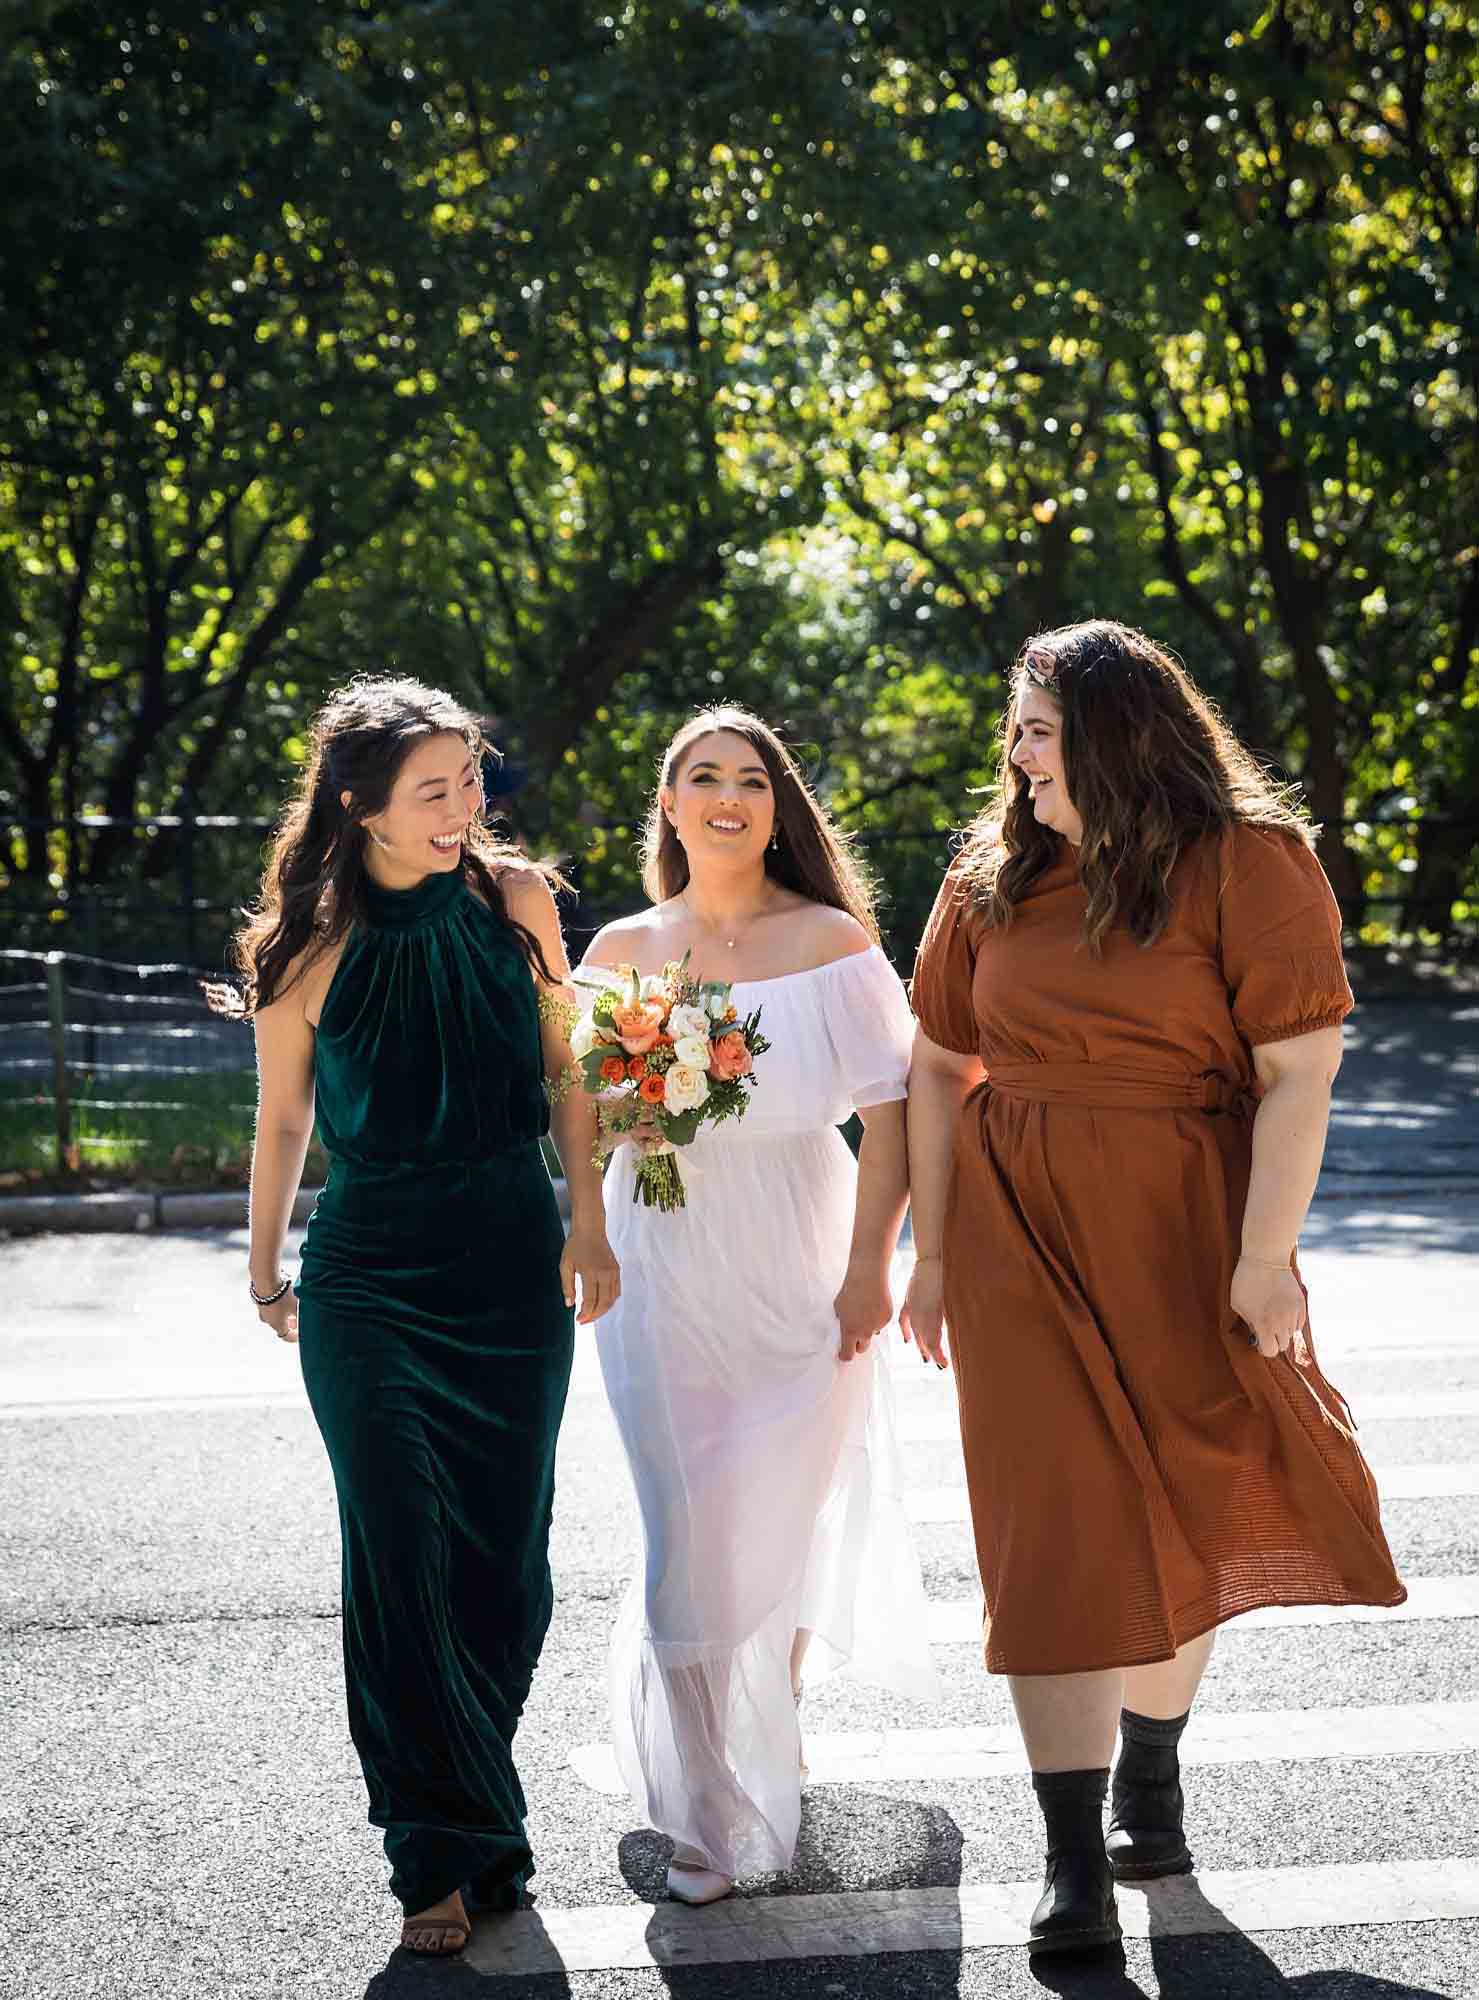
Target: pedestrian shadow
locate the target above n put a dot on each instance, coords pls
(923, 1845)
(515, 1950)
(1195, 1951)
(1195, 1947)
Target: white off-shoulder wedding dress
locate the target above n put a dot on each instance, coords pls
(766, 1468)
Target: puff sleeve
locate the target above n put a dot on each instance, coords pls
(1280, 938)
(945, 970)
(870, 1028)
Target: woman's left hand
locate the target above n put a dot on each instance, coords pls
(1271, 1304)
(589, 1260)
(863, 1307)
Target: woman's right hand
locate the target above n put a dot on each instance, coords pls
(282, 1316)
(922, 1315)
(645, 1134)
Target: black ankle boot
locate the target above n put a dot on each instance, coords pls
(1076, 1911)
(1145, 1837)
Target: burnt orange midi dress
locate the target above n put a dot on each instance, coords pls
(1137, 1472)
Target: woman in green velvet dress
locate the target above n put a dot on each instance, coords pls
(404, 972)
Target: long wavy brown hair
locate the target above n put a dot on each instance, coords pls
(1150, 766)
(313, 889)
(811, 854)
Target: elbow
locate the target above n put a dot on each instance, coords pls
(285, 1131)
(1309, 1079)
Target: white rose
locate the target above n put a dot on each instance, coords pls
(688, 1020)
(718, 1005)
(654, 987)
(687, 1088)
(692, 1051)
(584, 1036)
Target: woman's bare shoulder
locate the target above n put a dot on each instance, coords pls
(525, 890)
(638, 940)
(305, 982)
(831, 935)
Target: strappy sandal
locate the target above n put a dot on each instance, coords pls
(436, 1937)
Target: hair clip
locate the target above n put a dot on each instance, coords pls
(1048, 682)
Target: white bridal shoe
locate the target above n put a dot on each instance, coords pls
(690, 1882)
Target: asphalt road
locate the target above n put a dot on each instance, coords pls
(182, 1814)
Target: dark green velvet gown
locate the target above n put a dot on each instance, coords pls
(436, 1349)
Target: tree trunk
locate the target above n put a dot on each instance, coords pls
(624, 633)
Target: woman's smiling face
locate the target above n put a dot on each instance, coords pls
(436, 792)
(1037, 752)
(721, 800)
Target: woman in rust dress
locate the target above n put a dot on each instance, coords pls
(1129, 1001)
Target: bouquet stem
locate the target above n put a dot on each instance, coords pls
(659, 1184)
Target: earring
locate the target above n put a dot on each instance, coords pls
(775, 839)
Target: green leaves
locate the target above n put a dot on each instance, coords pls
(597, 365)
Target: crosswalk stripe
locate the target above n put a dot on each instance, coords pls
(155, 1406)
(941, 1425)
(1257, 1736)
(929, 1504)
(636, 1936)
(957, 1621)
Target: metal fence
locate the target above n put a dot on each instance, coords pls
(173, 891)
(88, 1043)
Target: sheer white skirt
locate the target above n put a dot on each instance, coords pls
(767, 1473)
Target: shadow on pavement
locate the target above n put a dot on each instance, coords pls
(1220, 1959)
(409, 1975)
(924, 1848)
(1395, 1222)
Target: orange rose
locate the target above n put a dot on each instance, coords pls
(639, 1025)
(653, 1090)
(637, 1068)
(730, 1057)
(613, 1070)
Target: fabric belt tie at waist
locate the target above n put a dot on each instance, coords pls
(1108, 1086)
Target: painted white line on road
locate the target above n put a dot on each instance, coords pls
(1395, 1482)
(757, 1929)
(1258, 1736)
(942, 1425)
(57, 1393)
(153, 1406)
(957, 1621)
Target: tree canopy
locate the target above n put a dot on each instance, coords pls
(594, 364)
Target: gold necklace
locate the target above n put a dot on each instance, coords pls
(729, 943)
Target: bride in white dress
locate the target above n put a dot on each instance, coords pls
(756, 1416)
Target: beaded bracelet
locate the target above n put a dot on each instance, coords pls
(267, 1298)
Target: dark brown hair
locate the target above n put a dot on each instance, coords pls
(1150, 766)
(810, 855)
(313, 889)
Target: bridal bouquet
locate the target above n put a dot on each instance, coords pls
(665, 1056)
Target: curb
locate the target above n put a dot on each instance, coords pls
(147, 1209)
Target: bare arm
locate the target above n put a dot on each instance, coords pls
(1288, 1146)
(587, 1258)
(939, 1083)
(864, 1305)
(284, 1128)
